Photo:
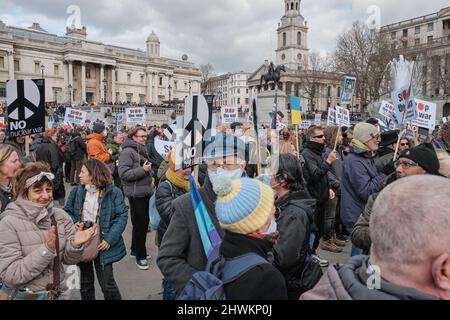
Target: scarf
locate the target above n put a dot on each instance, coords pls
(358, 144)
(177, 180)
(90, 205)
(315, 147)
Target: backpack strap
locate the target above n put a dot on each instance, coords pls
(236, 267)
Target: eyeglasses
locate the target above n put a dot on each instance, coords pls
(143, 136)
(405, 164)
(320, 136)
(404, 144)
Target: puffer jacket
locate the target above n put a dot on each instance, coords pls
(113, 219)
(349, 282)
(25, 260)
(165, 194)
(316, 174)
(294, 224)
(96, 149)
(136, 182)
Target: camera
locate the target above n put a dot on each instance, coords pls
(87, 224)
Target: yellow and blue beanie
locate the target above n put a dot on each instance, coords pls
(243, 205)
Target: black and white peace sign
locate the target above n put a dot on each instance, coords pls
(23, 99)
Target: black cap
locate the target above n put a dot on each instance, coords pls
(425, 156)
(98, 127)
(388, 138)
(235, 124)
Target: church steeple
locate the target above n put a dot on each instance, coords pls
(292, 49)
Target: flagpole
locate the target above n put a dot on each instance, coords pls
(258, 142)
(296, 141)
(27, 145)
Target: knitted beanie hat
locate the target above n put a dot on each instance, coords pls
(98, 127)
(364, 132)
(425, 156)
(243, 205)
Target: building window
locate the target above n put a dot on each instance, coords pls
(129, 97)
(393, 46)
(2, 62)
(405, 32)
(246, 101)
(247, 91)
(56, 70)
(142, 78)
(142, 98)
(430, 39)
(416, 41)
(16, 65)
(160, 81)
(417, 30)
(116, 75)
(296, 6)
(129, 77)
(339, 92)
(2, 89)
(239, 101)
(405, 43)
(175, 84)
(393, 34)
(284, 39)
(292, 6)
(37, 67)
(88, 73)
(239, 91)
(430, 27)
(329, 91)
(283, 56)
(299, 38)
(299, 56)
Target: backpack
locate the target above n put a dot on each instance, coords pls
(71, 146)
(155, 217)
(210, 284)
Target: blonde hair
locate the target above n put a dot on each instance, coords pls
(6, 151)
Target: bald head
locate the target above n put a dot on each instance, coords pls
(410, 222)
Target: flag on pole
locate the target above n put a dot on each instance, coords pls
(208, 233)
(296, 111)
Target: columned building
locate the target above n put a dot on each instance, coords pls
(77, 70)
(318, 90)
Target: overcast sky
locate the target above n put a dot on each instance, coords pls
(232, 35)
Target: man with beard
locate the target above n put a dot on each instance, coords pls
(360, 177)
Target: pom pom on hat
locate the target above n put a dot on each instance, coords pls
(222, 186)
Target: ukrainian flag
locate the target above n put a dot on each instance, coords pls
(296, 111)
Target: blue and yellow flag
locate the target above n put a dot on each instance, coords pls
(296, 111)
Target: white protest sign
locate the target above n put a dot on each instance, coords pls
(444, 120)
(135, 115)
(250, 117)
(119, 121)
(318, 119)
(305, 124)
(331, 121)
(342, 117)
(405, 110)
(229, 114)
(426, 114)
(76, 117)
(386, 109)
(163, 147)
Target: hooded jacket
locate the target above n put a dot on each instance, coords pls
(136, 182)
(49, 152)
(296, 213)
(79, 147)
(96, 148)
(25, 260)
(349, 282)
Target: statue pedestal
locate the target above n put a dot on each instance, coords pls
(264, 105)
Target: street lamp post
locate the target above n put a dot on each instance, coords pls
(42, 69)
(190, 88)
(104, 90)
(170, 95)
(70, 95)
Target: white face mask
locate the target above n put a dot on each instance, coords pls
(231, 174)
(272, 228)
(105, 133)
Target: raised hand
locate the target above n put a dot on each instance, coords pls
(51, 238)
(83, 236)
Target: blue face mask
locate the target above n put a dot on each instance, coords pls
(272, 228)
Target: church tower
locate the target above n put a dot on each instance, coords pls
(292, 49)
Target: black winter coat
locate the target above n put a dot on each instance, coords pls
(50, 153)
(296, 214)
(263, 282)
(165, 194)
(79, 145)
(316, 175)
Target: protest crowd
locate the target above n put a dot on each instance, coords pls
(230, 226)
